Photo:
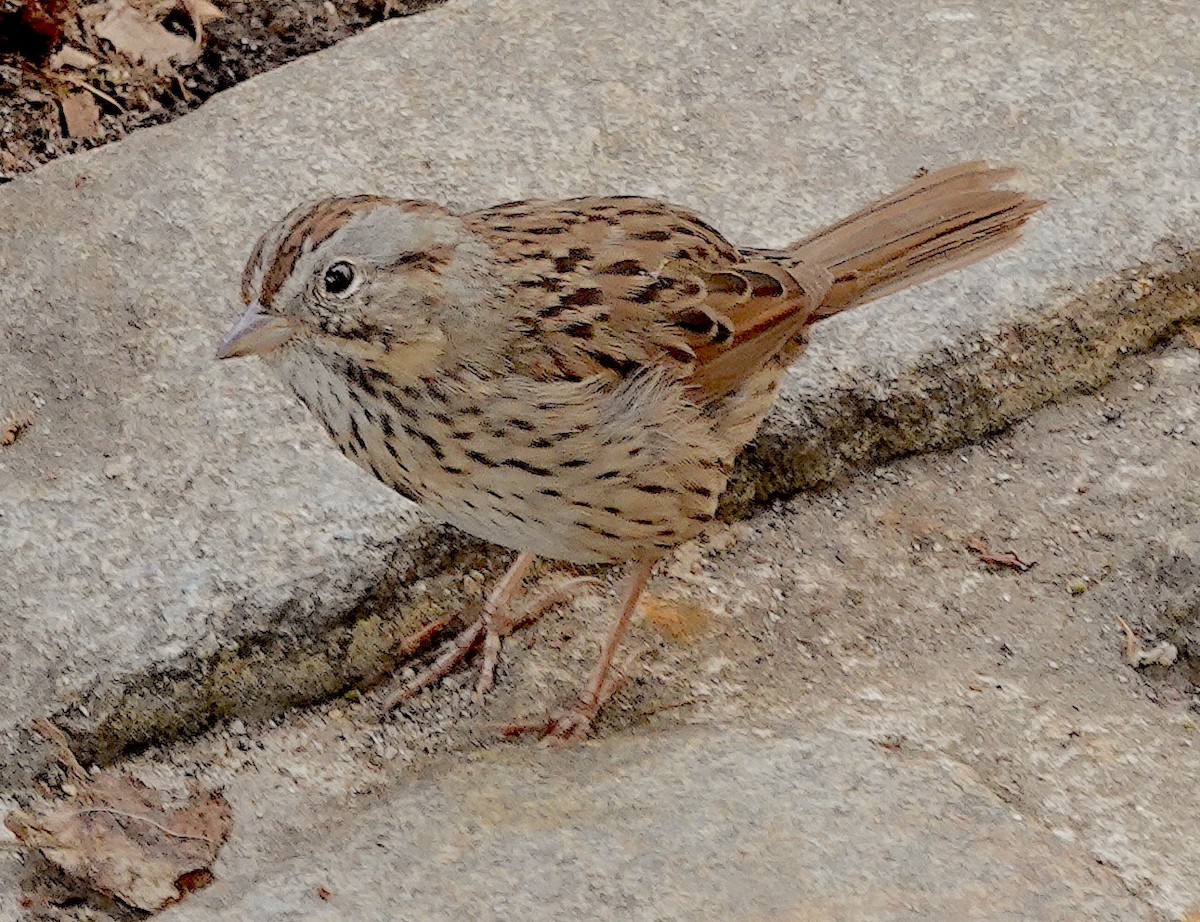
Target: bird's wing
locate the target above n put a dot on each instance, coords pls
(609, 287)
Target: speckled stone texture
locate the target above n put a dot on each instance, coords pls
(688, 825)
(178, 541)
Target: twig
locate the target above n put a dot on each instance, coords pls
(49, 731)
(1008, 559)
(99, 94)
(1163, 653)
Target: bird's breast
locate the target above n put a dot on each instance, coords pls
(567, 472)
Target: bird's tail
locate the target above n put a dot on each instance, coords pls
(940, 222)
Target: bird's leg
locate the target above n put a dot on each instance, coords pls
(575, 723)
(490, 628)
(499, 623)
(496, 623)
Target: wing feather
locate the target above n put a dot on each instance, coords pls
(610, 287)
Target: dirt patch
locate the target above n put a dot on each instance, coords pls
(77, 75)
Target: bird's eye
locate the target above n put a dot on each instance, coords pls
(339, 278)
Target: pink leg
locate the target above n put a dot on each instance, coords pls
(575, 723)
(495, 624)
(489, 627)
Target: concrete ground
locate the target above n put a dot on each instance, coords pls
(181, 547)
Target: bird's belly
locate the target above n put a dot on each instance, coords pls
(554, 541)
(574, 517)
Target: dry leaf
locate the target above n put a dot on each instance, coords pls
(202, 12)
(33, 28)
(156, 10)
(70, 56)
(82, 115)
(115, 834)
(682, 622)
(8, 164)
(143, 40)
(29, 94)
(14, 427)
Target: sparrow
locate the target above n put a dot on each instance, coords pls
(573, 379)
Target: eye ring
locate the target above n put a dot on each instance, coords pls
(341, 279)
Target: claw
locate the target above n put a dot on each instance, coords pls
(488, 631)
(571, 725)
(452, 654)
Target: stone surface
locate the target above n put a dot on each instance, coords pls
(178, 541)
(716, 824)
(853, 637)
(1163, 587)
(860, 611)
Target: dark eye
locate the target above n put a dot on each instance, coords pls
(338, 278)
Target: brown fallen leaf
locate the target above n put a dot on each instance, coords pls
(8, 162)
(677, 620)
(1003, 560)
(33, 28)
(114, 833)
(201, 12)
(14, 427)
(143, 40)
(34, 95)
(81, 115)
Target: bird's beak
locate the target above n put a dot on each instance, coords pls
(255, 334)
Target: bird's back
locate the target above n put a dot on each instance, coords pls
(641, 352)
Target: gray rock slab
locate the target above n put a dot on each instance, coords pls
(713, 824)
(178, 543)
(860, 611)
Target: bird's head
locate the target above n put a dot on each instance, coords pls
(401, 285)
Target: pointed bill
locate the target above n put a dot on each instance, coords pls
(255, 334)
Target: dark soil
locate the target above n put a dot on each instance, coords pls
(254, 36)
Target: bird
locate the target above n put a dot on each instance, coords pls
(573, 379)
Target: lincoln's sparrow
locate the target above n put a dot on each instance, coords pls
(572, 379)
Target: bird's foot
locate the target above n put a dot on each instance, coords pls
(497, 626)
(487, 632)
(575, 723)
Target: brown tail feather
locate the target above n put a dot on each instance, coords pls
(940, 222)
